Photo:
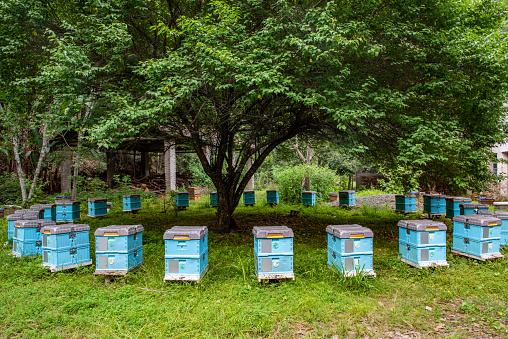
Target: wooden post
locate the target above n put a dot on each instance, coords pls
(65, 171)
(110, 167)
(170, 166)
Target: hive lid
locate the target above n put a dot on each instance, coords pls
(478, 220)
(214, 192)
(26, 224)
(13, 216)
(434, 196)
(271, 191)
(97, 199)
(31, 216)
(405, 196)
(272, 232)
(131, 195)
(182, 193)
(474, 206)
(64, 228)
(422, 225)
(353, 231)
(248, 191)
(36, 207)
(346, 191)
(501, 215)
(43, 222)
(67, 203)
(185, 233)
(118, 230)
(46, 206)
(458, 199)
(309, 192)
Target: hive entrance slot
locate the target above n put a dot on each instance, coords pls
(181, 237)
(275, 235)
(357, 236)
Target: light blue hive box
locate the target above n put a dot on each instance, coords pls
(453, 205)
(214, 199)
(434, 204)
(39, 210)
(405, 203)
(350, 249)
(477, 236)
(272, 197)
(118, 249)
(346, 198)
(186, 253)
(27, 239)
(97, 207)
(472, 209)
(273, 252)
(67, 211)
(131, 203)
(182, 199)
(422, 243)
(65, 246)
(249, 198)
(309, 198)
(503, 216)
(11, 219)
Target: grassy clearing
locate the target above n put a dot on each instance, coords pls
(467, 300)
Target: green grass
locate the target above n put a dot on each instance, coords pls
(229, 302)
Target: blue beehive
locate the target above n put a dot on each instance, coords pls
(27, 239)
(65, 246)
(309, 198)
(49, 212)
(131, 202)
(186, 253)
(503, 216)
(273, 252)
(422, 243)
(214, 199)
(477, 236)
(182, 199)
(471, 209)
(97, 207)
(272, 196)
(39, 210)
(453, 205)
(346, 198)
(11, 219)
(249, 198)
(67, 211)
(118, 249)
(405, 203)
(350, 249)
(434, 204)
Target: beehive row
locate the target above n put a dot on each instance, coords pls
(438, 204)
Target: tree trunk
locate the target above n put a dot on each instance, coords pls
(42, 154)
(225, 220)
(305, 159)
(21, 174)
(76, 171)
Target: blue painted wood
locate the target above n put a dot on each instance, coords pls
(182, 199)
(475, 247)
(350, 248)
(346, 198)
(249, 198)
(434, 204)
(405, 203)
(272, 196)
(453, 205)
(214, 199)
(97, 207)
(422, 242)
(131, 202)
(309, 198)
(273, 250)
(67, 211)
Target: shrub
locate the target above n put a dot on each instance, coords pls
(290, 182)
(10, 192)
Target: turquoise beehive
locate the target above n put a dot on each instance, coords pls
(273, 252)
(18, 215)
(309, 198)
(472, 209)
(422, 243)
(272, 197)
(503, 216)
(405, 203)
(65, 246)
(118, 249)
(346, 198)
(350, 249)
(477, 236)
(453, 205)
(186, 253)
(182, 199)
(214, 199)
(249, 198)
(67, 211)
(97, 207)
(131, 203)
(27, 239)
(434, 204)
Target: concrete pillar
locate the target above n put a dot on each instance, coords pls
(170, 166)
(110, 167)
(65, 170)
(145, 164)
(250, 185)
